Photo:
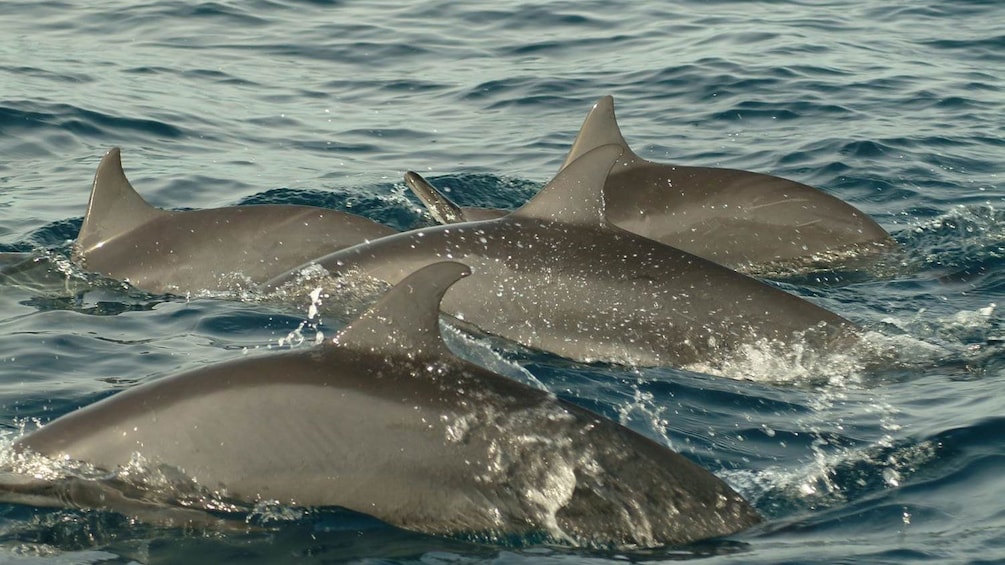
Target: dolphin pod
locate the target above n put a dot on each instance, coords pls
(385, 420)
(617, 259)
(180, 252)
(739, 219)
(556, 275)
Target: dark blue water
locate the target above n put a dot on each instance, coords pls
(895, 107)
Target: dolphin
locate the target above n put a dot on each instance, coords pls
(221, 249)
(557, 276)
(385, 420)
(739, 219)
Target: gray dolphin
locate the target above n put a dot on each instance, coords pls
(557, 276)
(385, 420)
(164, 251)
(739, 219)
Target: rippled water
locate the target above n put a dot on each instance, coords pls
(894, 107)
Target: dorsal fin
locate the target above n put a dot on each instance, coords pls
(115, 206)
(576, 194)
(599, 128)
(440, 207)
(407, 318)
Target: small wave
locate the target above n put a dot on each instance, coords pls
(961, 250)
(19, 117)
(835, 476)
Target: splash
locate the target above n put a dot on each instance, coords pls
(50, 272)
(799, 362)
(520, 459)
(960, 329)
(834, 477)
(951, 240)
(343, 297)
(645, 406)
(273, 512)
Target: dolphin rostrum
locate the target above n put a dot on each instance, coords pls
(164, 251)
(385, 420)
(557, 276)
(739, 219)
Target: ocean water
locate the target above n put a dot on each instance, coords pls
(895, 107)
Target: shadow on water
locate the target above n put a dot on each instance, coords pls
(324, 536)
(331, 535)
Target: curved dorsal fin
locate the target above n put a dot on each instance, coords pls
(115, 206)
(576, 194)
(406, 320)
(599, 128)
(441, 208)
